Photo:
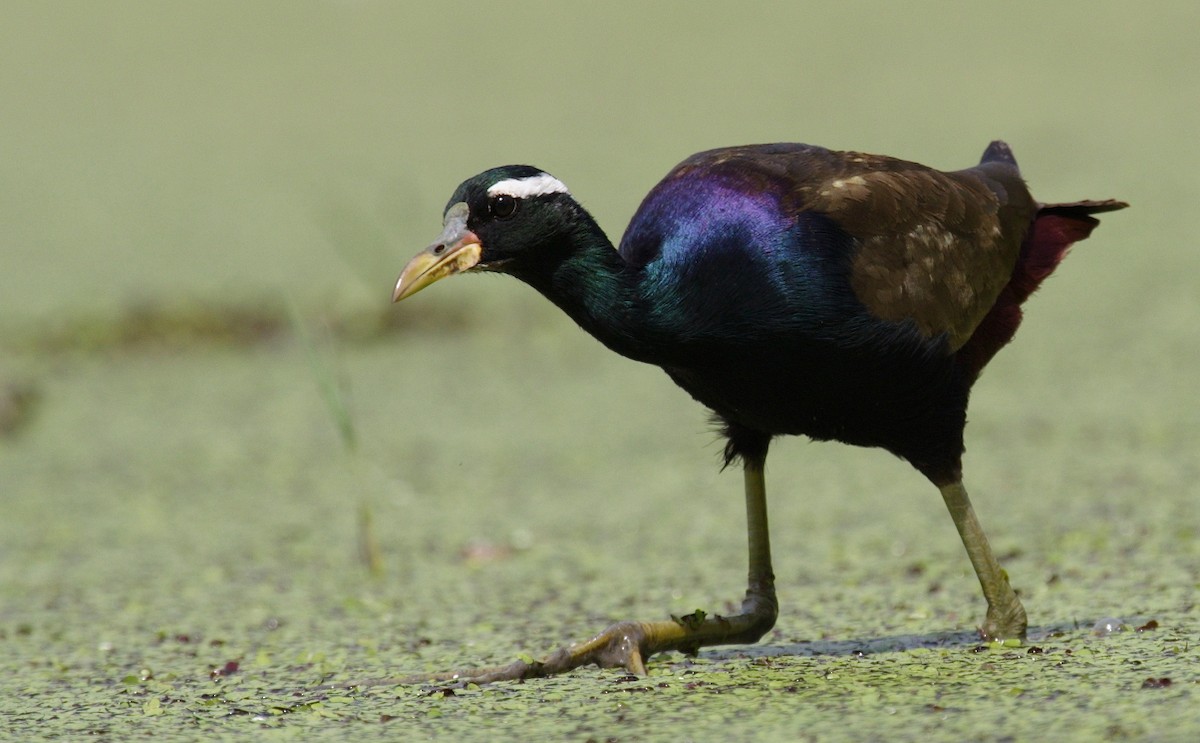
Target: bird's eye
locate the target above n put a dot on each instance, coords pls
(503, 206)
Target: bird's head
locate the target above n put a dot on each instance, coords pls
(492, 222)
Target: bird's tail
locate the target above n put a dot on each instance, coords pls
(1055, 228)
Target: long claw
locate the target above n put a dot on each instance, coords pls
(634, 664)
(624, 645)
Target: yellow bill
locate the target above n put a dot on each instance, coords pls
(456, 250)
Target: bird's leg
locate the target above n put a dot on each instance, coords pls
(629, 644)
(1005, 615)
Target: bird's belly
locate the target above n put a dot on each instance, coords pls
(901, 404)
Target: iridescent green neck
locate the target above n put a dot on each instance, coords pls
(588, 279)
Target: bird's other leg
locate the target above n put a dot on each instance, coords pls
(629, 645)
(1005, 615)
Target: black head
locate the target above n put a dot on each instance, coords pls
(492, 221)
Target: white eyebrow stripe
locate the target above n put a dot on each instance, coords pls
(534, 185)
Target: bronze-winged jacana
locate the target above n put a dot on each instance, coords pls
(792, 290)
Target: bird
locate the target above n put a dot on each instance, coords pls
(792, 290)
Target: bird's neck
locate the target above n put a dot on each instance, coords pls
(589, 280)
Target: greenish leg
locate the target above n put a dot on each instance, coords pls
(1005, 615)
(629, 644)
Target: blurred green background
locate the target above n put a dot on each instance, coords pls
(177, 495)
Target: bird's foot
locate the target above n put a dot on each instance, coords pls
(623, 645)
(1005, 624)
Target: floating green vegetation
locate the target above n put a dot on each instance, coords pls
(213, 529)
(189, 324)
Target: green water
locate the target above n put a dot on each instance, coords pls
(179, 491)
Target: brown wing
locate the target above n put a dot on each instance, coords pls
(935, 248)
